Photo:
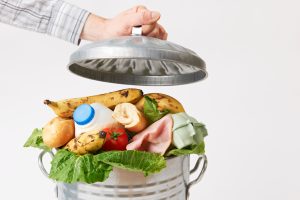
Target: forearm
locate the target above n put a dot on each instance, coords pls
(94, 28)
(54, 17)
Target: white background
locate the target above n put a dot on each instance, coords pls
(250, 101)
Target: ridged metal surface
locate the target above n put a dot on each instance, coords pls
(138, 60)
(170, 184)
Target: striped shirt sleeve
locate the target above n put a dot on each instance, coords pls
(54, 17)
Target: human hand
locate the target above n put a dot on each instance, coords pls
(98, 28)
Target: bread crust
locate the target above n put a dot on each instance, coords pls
(141, 125)
(138, 121)
(58, 132)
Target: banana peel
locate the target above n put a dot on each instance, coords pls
(163, 102)
(88, 142)
(65, 108)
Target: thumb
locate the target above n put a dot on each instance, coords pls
(145, 17)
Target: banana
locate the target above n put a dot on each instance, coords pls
(88, 142)
(65, 108)
(163, 102)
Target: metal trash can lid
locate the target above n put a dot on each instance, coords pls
(138, 60)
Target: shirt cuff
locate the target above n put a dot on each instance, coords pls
(67, 22)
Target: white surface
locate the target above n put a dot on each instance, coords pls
(250, 102)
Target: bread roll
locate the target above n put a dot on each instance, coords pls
(58, 132)
(128, 115)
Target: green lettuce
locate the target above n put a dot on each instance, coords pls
(151, 111)
(70, 168)
(192, 149)
(139, 161)
(36, 140)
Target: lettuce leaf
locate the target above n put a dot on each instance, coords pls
(192, 149)
(70, 168)
(36, 140)
(138, 161)
(151, 112)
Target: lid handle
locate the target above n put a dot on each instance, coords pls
(136, 31)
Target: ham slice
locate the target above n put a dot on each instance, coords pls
(156, 138)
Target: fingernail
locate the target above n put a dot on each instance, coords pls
(155, 15)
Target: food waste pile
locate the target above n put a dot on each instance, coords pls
(124, 129)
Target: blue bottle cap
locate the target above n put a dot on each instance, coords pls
(83, 114)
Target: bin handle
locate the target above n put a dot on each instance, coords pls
(201, 159)
(41, 164)
(44, 171)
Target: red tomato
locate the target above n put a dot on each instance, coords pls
(116, 139)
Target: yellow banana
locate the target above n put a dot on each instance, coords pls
(65, 108)
(88, 142)
(163, 102)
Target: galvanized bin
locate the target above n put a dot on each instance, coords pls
(172, 183)
(137, 60)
